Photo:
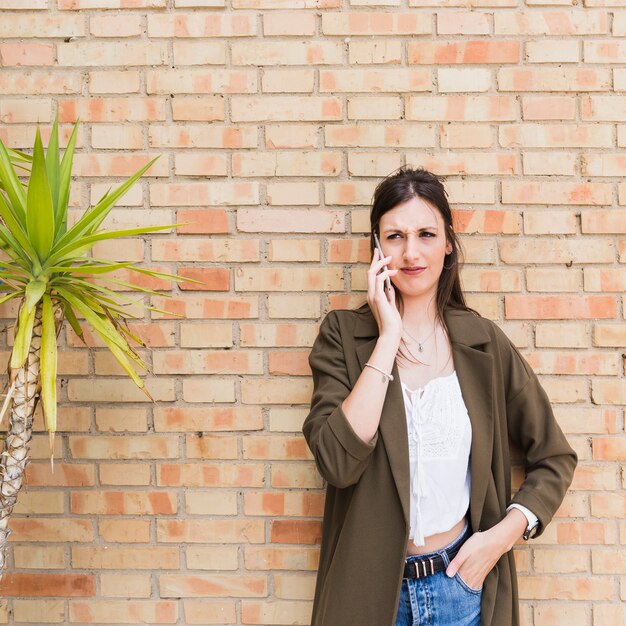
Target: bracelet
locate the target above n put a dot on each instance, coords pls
(386, 376)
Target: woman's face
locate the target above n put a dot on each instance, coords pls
(413, 233)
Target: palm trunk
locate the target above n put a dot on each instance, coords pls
(16, 446)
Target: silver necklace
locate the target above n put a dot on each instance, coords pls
(416, 358)
(420, 344)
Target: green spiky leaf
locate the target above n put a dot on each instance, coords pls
(48, 364)
(39, 207)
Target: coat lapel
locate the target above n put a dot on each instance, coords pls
(474, 370)
(392, 426)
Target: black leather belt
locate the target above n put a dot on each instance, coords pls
(428, 566)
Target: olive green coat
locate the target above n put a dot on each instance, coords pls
(366, 528)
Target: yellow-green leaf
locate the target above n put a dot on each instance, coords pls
(120, 357)
(71, 243)
(101, 325)
(49, 364)
(23, 337)
(89, 268)
(97, 214)
(65, 177)
(12, 185)
(71, 318)
(39, 208)
(52, 163)
(14, 227)
(9, 297)
(34, 290)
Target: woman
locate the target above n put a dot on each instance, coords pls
(415, 400)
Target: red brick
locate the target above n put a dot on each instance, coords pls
(461, 108)
(479, 51)
(581, 533)
(112, 109)
(564, 588)
(296, 531)
(210, 475)
(270, 558)
(185, 419)
(65, 474)
(560, 22)
(124, 611)
(211, 531)
(123, 503)
(206, 307)
(289, 363)
(124, 447)
(201, 25)
(207, 362)
(200, 249)
(278, 503)
(559, 307)
(51, 529)
(23, 54)
(520, 192)
(126, 558)
(546, 362)
(609, 448)
(608, 505)
(218, 586)
(52, 585)
(295, 476)
(491, 221)
(275, 447)
(210, 279)
(202, 221)
(356, 22)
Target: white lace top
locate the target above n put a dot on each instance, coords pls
(440, 437)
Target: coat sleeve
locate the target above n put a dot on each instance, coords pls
(549, 461)
(340, 454)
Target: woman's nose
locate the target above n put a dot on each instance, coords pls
(411, 247)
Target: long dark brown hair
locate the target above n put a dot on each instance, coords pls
(400, 186)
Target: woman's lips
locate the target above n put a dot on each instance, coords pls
(413, 272)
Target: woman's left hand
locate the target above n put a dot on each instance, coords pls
(482, 550)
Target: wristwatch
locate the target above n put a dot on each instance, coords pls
(531, 531)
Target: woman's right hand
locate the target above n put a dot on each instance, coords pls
(383, 306)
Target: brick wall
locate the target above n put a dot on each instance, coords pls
(275, 119)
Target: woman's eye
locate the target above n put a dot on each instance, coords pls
(427, 234)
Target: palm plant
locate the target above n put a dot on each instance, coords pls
(47, 270)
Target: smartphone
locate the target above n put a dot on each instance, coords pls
(382, 256)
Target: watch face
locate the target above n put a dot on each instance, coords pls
(529, 533)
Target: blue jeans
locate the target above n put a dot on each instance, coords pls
(438, 600)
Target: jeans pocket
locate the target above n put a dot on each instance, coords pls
(466, 586)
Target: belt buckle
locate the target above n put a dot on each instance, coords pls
(425, 567)
(424, 571)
